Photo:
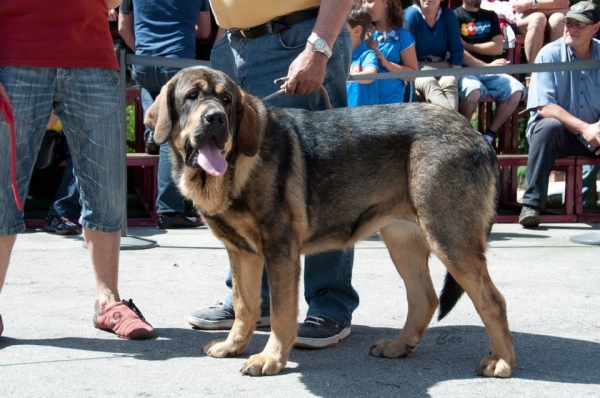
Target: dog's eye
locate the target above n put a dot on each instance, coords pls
(226, 99)
(192, 95)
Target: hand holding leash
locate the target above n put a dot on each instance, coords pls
(322, 90)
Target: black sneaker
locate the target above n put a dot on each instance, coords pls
(61, 226)
(221, 317)
(529, 217)
(177, 221)
(318, 332)
(152, 148)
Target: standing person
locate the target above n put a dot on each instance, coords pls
(564, 107)
(394, 46)
(46, 67)
(482, 39)
(307, 42)
(436, 34)
(65, 207)
(165, 28)
(364, 61)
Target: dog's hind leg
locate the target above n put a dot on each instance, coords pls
(283, 270)
(246, 269)
(410, 254)
(463, 254)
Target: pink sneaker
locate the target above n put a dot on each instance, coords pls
(123, 319)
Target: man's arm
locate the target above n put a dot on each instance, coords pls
(307, 72)
(493, 47)
(113, 3)
(202, 29)
(589, 132)
(126, 29)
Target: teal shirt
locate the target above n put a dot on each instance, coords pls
(360, 93)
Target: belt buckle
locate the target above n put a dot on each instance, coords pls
(242, 32)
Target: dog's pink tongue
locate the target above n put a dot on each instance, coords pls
(211, 160)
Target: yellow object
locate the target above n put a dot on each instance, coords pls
(57, 126)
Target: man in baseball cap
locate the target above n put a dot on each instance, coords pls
(584, 11)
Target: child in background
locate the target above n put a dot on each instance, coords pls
(364, 61)
(394, 46)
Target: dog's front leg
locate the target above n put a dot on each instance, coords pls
(284, 274)
(246, 270)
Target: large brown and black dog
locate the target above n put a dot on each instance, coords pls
(275, 183)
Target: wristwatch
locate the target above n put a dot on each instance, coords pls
(534, 5)
(319, 45)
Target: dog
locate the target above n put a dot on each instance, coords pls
(273, 184)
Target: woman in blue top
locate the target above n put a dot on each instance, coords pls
(394, 46)
(437, 38)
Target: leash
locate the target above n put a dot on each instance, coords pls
(7, 114)
(322, 90)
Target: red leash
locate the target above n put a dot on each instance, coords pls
(8, 116)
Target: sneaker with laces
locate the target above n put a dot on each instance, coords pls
(529, 217)
(221, 317)
(61, 226)
(317, 332)
(123, 319)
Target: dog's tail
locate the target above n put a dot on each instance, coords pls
(451, 293)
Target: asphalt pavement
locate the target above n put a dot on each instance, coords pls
(49, 347)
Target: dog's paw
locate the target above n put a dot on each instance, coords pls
(220, 349)
(391, 349)
(494, 366)
(262, 365)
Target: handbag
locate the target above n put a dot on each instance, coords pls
(53, 151)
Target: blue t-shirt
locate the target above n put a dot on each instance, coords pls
(577, 92)
(166, 28)
(360, 93)
(394, 44)
(443, 38)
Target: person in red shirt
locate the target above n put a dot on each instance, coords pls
(64, 63)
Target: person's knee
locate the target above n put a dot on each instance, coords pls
(473, 98)
(537, 22)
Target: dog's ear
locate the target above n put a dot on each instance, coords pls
(158, 116)
(248, 135)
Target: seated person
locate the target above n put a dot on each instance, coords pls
(436, 34)
(364, 61)
(482, 40)
(532, 18)
(564, 106)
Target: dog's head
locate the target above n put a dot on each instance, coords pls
(207, 118)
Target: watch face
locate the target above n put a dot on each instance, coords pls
(320, 44)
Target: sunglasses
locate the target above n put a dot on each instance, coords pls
(569, 23)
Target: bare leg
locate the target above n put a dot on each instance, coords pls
(504, 110)
(533, 27)
(6, 245)
(104, 252)
(467, 106)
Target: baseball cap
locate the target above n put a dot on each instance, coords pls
(584, 11)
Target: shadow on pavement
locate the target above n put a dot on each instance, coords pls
(444, 353)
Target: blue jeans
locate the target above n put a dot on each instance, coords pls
(500, 87)
(254, 64)
(66, 201)
(152, 78)
(88, 103)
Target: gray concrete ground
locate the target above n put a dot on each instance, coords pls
(50, 349)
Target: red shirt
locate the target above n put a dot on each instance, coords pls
(56, 34)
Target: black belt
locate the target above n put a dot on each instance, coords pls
(277, 25)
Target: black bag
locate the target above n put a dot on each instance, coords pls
(53, 152)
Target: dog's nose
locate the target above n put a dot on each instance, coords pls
(214, 118)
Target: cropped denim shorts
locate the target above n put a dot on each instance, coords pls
(87, 101)
(500, 87)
